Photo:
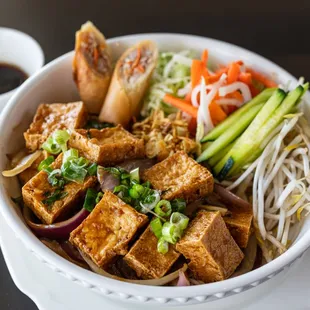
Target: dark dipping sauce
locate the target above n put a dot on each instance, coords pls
(10, 77)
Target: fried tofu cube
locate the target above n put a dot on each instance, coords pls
(239, 223)
(107, 146)
(50, 117)
(144, 258)
(37, 189)
(180, 176)
(108, 230)
(212, 251)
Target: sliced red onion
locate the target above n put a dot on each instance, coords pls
(230, 198)
(71, 251)
(183, 280)
(59, 230)
(57, 248)
(142, 164)
(106, 180)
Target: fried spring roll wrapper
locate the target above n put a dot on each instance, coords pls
(92, 68)
(129, 83)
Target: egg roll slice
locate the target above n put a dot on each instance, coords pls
(129, 83)
(92, 67)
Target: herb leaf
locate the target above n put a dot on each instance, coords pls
(52, 197)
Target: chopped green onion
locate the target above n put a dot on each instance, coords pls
(79, 163)
(61, 138)
(72, 173)
(147, 184)
(90, 199)
(178, 205)
(45, 163)
(163, 208)
(92, 169)
(134, 175)
(136, 191)
(57, 142)
(99, 196)
(55, 178)
(162, 246)
(156, 227)
(58, 194)
(70, 155)
(51, 147)
(93, 123)
(179, 219)
(171, 233)
(121, 189)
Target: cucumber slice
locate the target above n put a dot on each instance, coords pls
(248, 140)
(219, 155)
(234, 117)
(289, 103)
(230, 135)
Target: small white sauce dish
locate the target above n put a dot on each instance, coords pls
(21, 50)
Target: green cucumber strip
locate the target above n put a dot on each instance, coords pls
(289, 103)
(230, 135)
(232, 118)
(249, 137)
(225, 170)
(219, 155)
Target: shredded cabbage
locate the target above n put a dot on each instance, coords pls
(172, 76)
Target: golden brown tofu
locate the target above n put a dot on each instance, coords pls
(29, 173)
(107, 146)
(179, 176)
(207, 243)
(239, 223)
(37, 189)
(50, 117)
(106, 232)
(144, 258)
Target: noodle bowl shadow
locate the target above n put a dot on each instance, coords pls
(54, 83)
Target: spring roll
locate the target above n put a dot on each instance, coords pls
(129, 83)
(92, 68)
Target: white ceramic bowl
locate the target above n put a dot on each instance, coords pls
(21, 50)
(54, 84)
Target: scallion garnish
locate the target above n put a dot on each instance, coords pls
(90, 199)
(99, 196)
(136, 191)
(178, 205)
(163, 208)
(52, 197)
(92, 169)
(162, 246)
(72, 173)
(45, 163)
(156, 227)
(93, 123)
(70, 155)
(179, 219)
(57, 142)
(135, 175)
(171, 233)
(55, 178)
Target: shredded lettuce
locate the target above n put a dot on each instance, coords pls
(171, 76)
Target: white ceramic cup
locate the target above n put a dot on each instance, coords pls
(21, 50)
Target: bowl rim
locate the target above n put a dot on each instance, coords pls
(33, 243)
(37, 47)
